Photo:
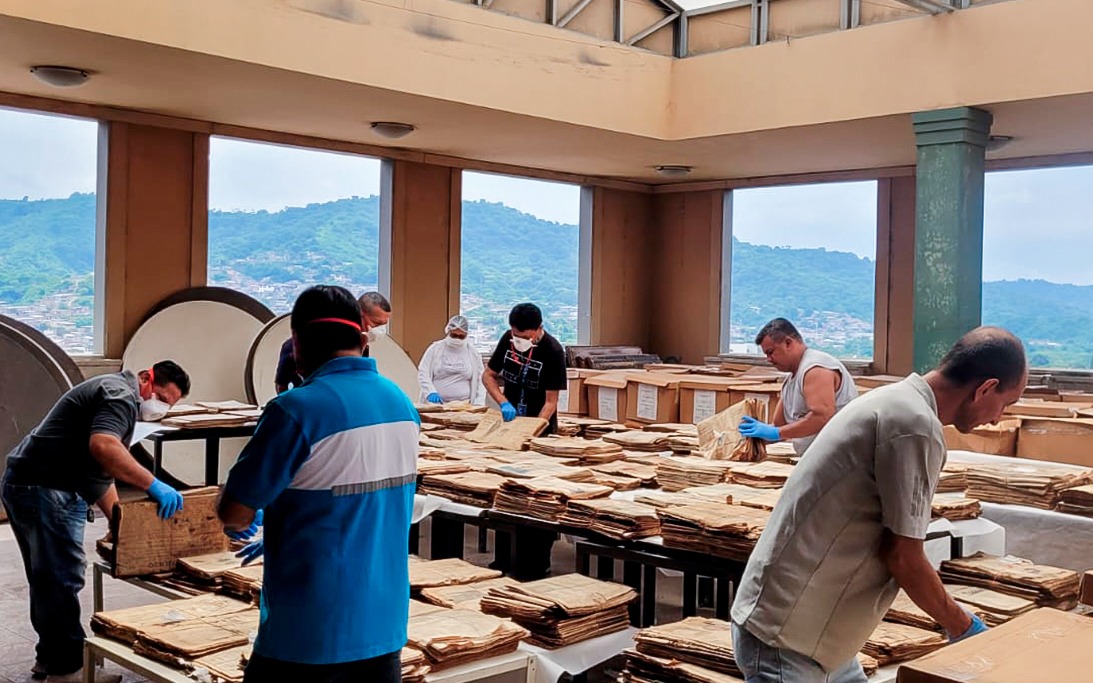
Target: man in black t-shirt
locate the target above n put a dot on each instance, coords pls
(65, 464)
(531, 363)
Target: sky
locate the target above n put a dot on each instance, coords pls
(1038, 223)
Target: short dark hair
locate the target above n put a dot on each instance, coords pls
(370, 300)
(982, 354)
(169, 372)
(778, 329)
(524, 317)
(318, 342)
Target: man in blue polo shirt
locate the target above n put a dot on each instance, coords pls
(333, 465)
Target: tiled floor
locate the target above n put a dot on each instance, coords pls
(16, 635)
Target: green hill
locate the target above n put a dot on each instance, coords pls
(47, 246)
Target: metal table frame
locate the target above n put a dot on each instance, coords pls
(210, 435)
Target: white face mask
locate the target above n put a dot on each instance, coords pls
(153, 409)
(455, 343)
(377, 332)
(522, 345)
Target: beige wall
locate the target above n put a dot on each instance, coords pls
(684, 314)
(425, 252)
(156, 230)
(622, 274)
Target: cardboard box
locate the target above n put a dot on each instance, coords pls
(1086, 597)
(766, 394)
(1075, 397)
(607, 398)
(574, 399)
(670, 368)
(653, 398)
(1057, 439)
(998, 439)
(1041, 645)
(701, 398)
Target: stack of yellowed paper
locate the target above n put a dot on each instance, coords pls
(737, 494)
(894, 643)
(724, 530)
(192, 639)
(544, 497)
(415, 666)
(470, 488)
(512, 435)
(541, 466)
(447, 572)
(563, 610)
(453, 419)
(620, 519)
(643, 442)
(643, 668)
(464, 596)
(124, 624)
(665, 499)
(646, 474)
(225, 666)
(992, 606)
(695, 640)
(457, 636)
(1048, 586)
(678, 473)
(1023, 483)
(583, 451)
(1077, 500)
(244, 582)
(719, 436)
(953, 479)
(954, 506)
(761, 475)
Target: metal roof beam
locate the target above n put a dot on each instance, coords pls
(645, 33)
(931, 6)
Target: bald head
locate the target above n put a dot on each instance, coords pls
(983, 354)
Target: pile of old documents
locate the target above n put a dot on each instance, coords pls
(449, 637)
(1077, 500)
(643, 442)
(471, 488)
(225, 666)
(697, 641)
(737, 494)
(449, 572)
(464, 596)
(719, 436)
(953, 479)
(643, 668)
(1038, 485)
(678, 473)
(243, 582)
(453, 419)
(993, 607)
(541, 467)
(544, 497)
(723, 530)
(905, 611)
(1048, 586)
(415, 667)
(761, 475)
(955, 507)
(620, 519)
(583, 451)
(201, 573)
(894, 643)
(646, 474)
(563, 610)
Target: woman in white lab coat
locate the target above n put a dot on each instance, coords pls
(451, 369)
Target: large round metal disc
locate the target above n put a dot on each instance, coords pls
(208, 331)
(265, 351)
(393, 363)
(34, 374)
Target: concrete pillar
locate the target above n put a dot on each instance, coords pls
(948, 228)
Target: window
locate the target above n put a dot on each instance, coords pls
(1037, 281)
(284, 218)
(806, 253)
(47, 225)
(520, 243)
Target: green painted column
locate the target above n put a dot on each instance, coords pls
(948, 297)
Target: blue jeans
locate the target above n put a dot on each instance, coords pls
(761, 663)
(49, 527)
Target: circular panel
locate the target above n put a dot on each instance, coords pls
(265, 351)
(393, 363)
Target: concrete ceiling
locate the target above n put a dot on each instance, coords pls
(151, 78)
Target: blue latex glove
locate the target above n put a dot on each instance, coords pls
(754, 429)
(249, 532)
(170, 500)
(434, 398)
(508, 412)
(975, 629)
(252, 552)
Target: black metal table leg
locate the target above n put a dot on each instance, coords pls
(631, 576)
(690, 594)
(724, 597)
(212, 461)
(649, 596)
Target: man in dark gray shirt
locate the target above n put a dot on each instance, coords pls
(67, 462)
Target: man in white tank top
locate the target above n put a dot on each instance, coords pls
(819, 385)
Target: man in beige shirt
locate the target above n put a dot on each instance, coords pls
(848, 531)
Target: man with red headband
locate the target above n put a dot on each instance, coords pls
(66, 463)
(332, 467)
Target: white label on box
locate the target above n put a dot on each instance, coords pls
(764, 400)
(705, 405)
(563, 401)
(647, 402)
(609, 403)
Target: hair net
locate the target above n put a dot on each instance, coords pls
(458, 322)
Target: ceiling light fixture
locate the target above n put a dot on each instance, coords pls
(672, 170)
(60, 76)
(997, 142)
(392, 129)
